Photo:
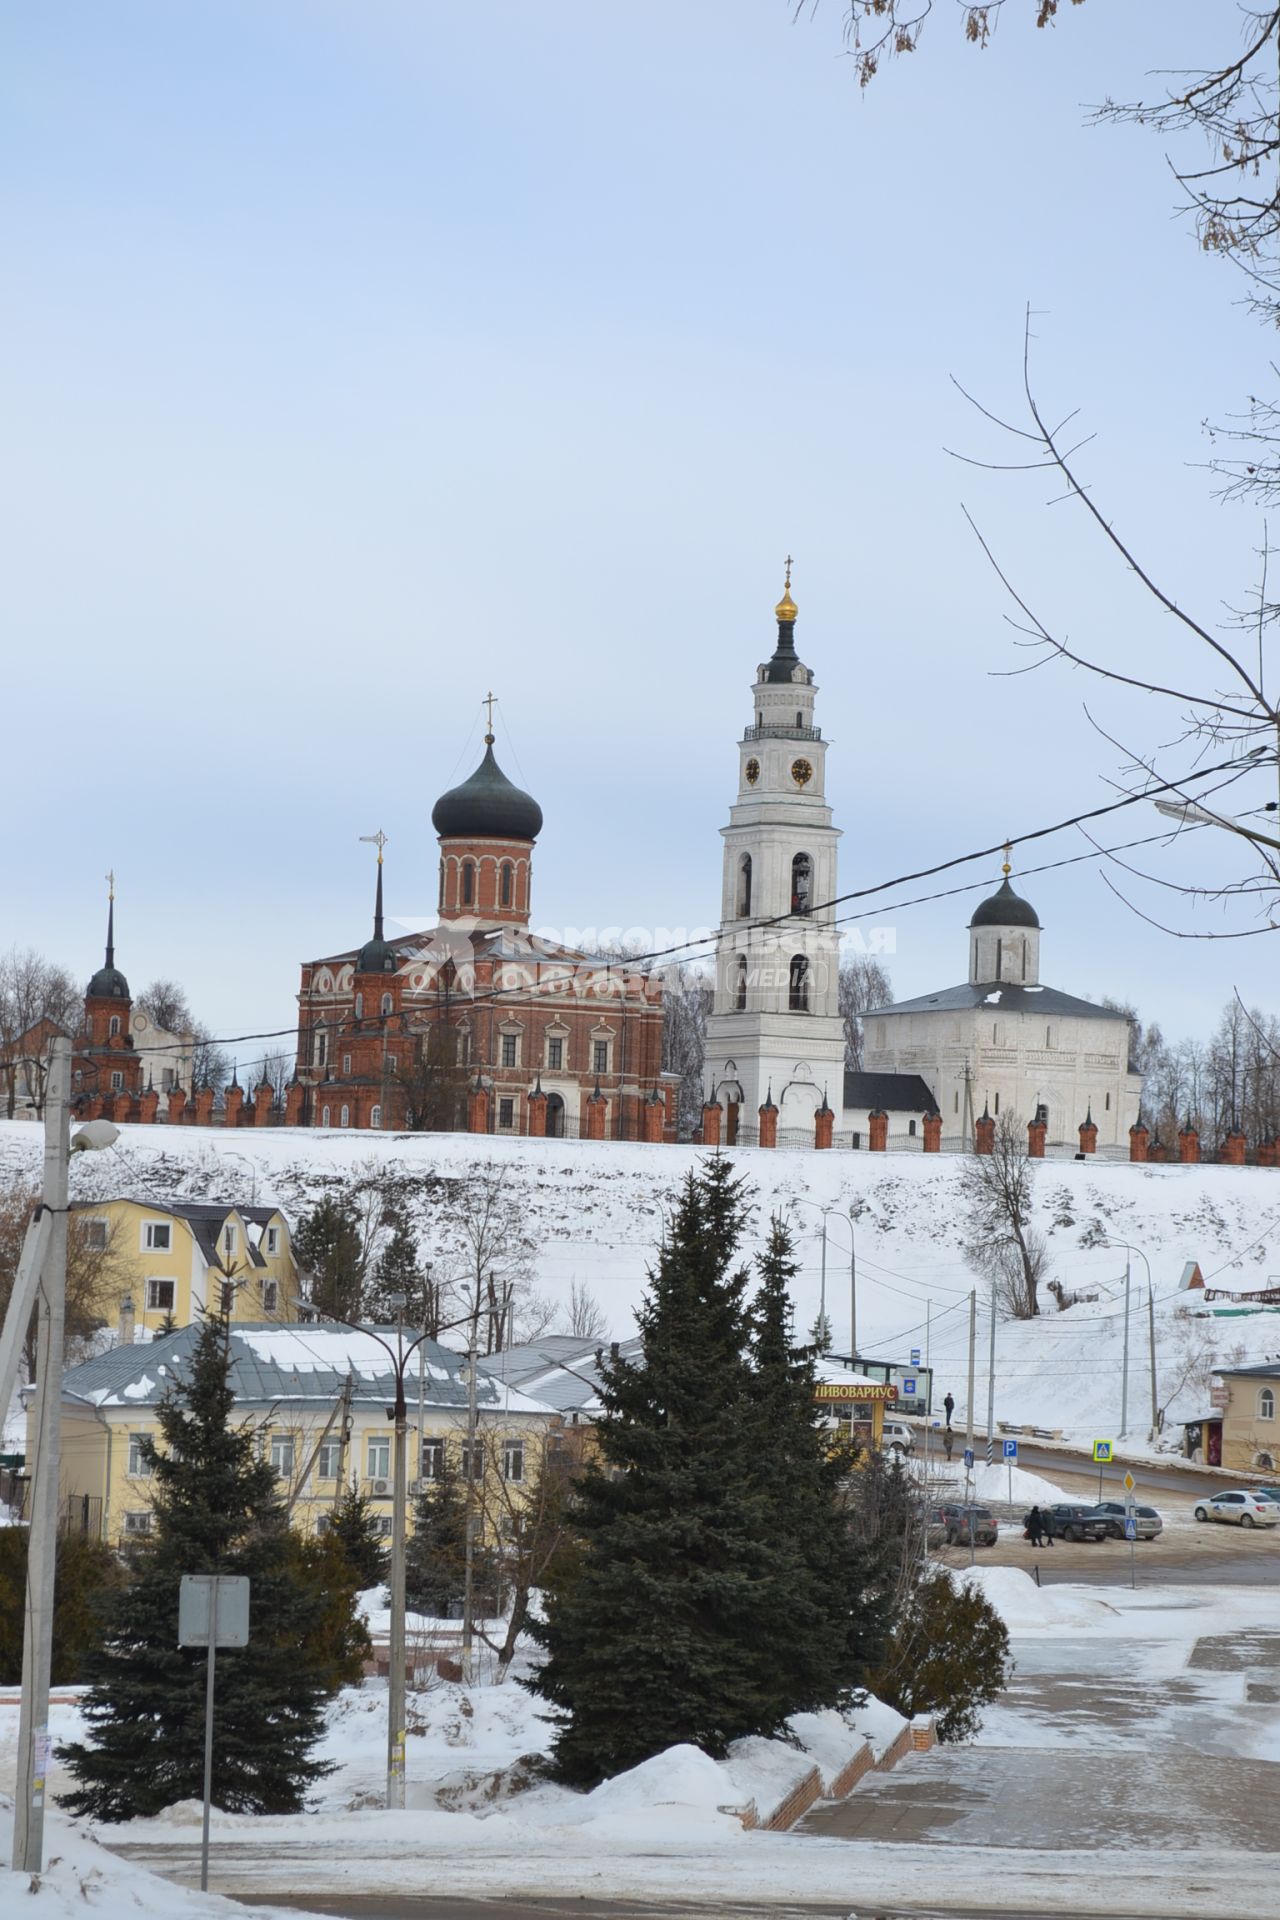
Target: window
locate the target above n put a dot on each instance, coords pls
(510, 1043)
(1108, 1104)
(744, 886)
(375, 1116)
(392, 1063)
(386, 1003)
(137, 1523)
(1266, 1404)
(270, 1296)
(117, 1083)
(801, 883)
(468, 882)
(1024, 958)
(463, 1045)
(473, 1460)
(384, 1523)
(955, 1101)
(431, 1460)
(160, 1296)
(911, 1128)
(999, 957)
(282, 1454)
(997, 1108)
(344, 1118)
(555, 1055)
(504, 883)
(329, 1460)
(228, 1240)
(139, 1461)
(273, 1239)
(346, 1066)
(506, 1113)
(740, 991)
(600, 1056)
(798, 998)
(113, 1025)
(325, 1121)
(1048, 1036)
(359, 1006)
(379, 1456)
(321, 1048)
(157, 1236)
(95, 1236)
(513, 1460)
(857, 1140)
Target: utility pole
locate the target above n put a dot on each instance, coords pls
(469, 1564)
(822, 1297)
(1124, 1371)
(395, 1679)
(973, 1348)
(31, 1789)
(1151, 1336)
(991, 1380)
(853, 1292)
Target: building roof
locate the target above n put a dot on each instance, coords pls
(1005, 908)
(1269, 1370)
(292, 1366)
(887, 1092)
(561, 1369)
(487, 806)
(204, 1217)
(1002, 994)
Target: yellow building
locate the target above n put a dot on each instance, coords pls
(318, 1400)
(174, 1261)
(1251, 1419)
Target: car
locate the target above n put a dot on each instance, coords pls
(897, 1437)
(1240, 1508)
(1074, 1520)
(1146, 1520)
(1268, 1493)
(959, 1522)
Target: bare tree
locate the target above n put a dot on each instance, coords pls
(98, 1269)
(862, 984)
(165, 1004)
(532, 1517)
(495, 1263)
(210, 1063)
(688, 990)
(585, 1317)
(38, 999)
(997, 1191)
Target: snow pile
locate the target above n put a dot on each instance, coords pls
(1023, 1606)
(876, 1723)
(990, 1485)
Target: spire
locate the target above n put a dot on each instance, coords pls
(110, 960)
(786, 609)
(488, 703)
(768, 1099)
(378, 840)
(375, 956)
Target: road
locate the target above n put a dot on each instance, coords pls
(427, 1907)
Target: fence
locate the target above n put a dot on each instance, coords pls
(82, 1514)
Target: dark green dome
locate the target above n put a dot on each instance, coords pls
(487, 807)
(108, 983)
(375, 956)
(1005, 909)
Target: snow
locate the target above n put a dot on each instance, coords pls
(989, 1485)
(877, 1723)
(1024, 1607)
(992, 999)
(138, 1389)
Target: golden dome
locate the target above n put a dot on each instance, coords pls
(786, 608)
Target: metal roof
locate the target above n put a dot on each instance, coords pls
(890, 1092)
(1002, 994)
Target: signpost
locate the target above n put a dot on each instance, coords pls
(915, 1356)
(1102, 1450)
(1131, 1528)
(1011, 1460)
(213, 1611)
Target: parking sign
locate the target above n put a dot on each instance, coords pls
(1010, 1449)
(968, 1456)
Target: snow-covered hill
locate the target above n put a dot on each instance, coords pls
(596, 1209)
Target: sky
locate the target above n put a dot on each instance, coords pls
(365, 355)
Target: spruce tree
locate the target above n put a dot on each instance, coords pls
(399, 1270)
(649, 1630)
(217, 1509)
(326, 1244)
(354, 1525)
(435, 1561)
(825, 1618)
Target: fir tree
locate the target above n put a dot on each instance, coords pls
(649, 1632)
(326, 1244)
(399, 1270)
(86, 1570)
(825, 1617)
(354, 1525)
(435, 1566)
(217, 1509)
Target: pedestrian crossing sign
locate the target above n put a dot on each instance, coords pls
(1101, 1452)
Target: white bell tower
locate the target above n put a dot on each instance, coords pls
(775, 1024)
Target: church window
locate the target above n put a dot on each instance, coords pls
(468, 882)
(386, 1003)
(344, 1118)
(1048, 1036)
(997, 1102)
(509, 1044)
(1108, 1107)
(801, 883)
(1024, 958)
(999, 958)
(995, 1035)
(600, 1056)
(506, 878)
(744, 886)
(325, 1121)
(359, 1006)
(911, 1128)
(392, 1063)
(856, 1139)
(321, 1048)
(555, 1055)
(464, 1046)
(799, 719)
(740, 996)
(799, 987)
(506, 1113)
(955, 1101)
(346, 1065)
(375, 1116)
(117, 1083)
(113, 1025)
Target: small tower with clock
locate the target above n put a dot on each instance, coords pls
(775, 1024)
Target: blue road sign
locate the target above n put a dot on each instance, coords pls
(909, 1389)
(1131, 1528)
(968, 1456)
(1010, 1449)
(915, 1356)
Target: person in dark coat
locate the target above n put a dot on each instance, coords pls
(948, 1407)
(1035, 1527)
(948, 1439)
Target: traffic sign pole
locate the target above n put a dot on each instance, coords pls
(208, 1733)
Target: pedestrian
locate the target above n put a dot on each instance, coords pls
(948, 1439)
(948, 1407)
(1035, 1527)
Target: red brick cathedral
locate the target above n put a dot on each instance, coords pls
(477, 1023)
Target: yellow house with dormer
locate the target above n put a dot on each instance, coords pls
(174, 1260)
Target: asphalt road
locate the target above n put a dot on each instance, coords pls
(426, 1907)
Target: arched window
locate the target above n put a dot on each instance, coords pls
(744, 886)
(375, 1116)
(801, 883)
(911, 1128)
(324, 1117)
(999, 958)
(468, 882)
(740, 992)
(322, 1051)
(386, 1003)
(1024, 956)
(344, 1118)
(799, 992)
(113, 1026)
(799, 719)
(1266, 1404)
(505, 883)
(359, 1006)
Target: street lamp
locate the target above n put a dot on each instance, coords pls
(1151, 1316)
(853, 1268)
(43, 1260)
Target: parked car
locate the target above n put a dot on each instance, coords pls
(957, 1521)
(897, 1437)
(1146, 1519)
(1240, 1509)
(1073, 1520)
(1268, 1493)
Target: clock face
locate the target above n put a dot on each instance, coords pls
(752, 772)
(801, 772)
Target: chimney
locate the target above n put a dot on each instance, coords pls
(126, 1320)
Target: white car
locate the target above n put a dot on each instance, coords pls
(1241, 1509)
(900, 1438)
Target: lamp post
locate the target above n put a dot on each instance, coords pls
(1124, 1376)
(853, 1267)
(31, 1790)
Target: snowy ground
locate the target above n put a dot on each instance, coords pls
(597, 1208)
(1132, 1769)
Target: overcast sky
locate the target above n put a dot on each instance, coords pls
(365, 354)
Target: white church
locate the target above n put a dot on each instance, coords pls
(1000, 1042)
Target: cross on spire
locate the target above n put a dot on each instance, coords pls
(378, 840)
(489, 702)
(1007, 868)
(787, 582)
(111, 884)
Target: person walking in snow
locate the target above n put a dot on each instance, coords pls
(1035, 1527)
(948, 1439)
(948, 1407)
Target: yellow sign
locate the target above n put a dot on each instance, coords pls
(855, 1390)
(1129, 1483)
(1101, 1451)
